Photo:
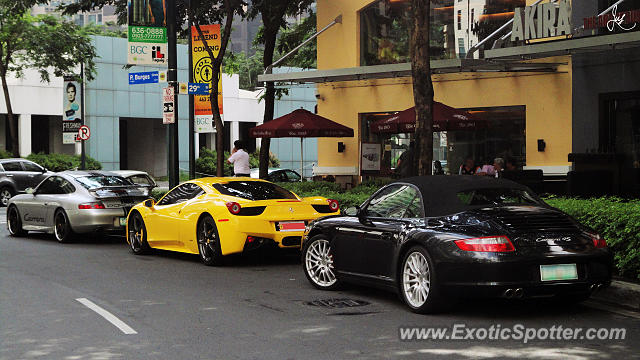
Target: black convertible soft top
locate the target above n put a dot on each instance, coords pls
(440, 193)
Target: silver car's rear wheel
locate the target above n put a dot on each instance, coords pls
(62, 228)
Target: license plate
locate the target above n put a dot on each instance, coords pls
(291, 226)
(112, 204)
(123, 221)
(558, 272)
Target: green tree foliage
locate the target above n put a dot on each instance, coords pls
(44, 43)
(306, 56)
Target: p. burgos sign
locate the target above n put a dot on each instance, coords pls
(541, 21)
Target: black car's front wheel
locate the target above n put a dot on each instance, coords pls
(208, 241)
(418, 282)
(14, 222)
(138, 235)
(317, 261)
(62, 228)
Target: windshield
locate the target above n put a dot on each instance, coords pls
(254, 190)
(96, 181)
(504, 196)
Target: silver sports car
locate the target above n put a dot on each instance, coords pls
(73, 202)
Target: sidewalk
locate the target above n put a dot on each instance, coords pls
(620, 293)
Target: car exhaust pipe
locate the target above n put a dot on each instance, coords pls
(593, 287)
(518, 293)
(508, 293)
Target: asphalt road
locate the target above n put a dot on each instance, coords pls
(254, 308)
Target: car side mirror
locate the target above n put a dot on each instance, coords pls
(31, 191)
(149, 203)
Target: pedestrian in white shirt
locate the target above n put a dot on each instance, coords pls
(240, 160)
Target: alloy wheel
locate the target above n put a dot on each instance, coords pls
(13, 221)
(207, 240)
(60, 227)
(319, 263)
(136, 233)
(416, 279)
(5, 195)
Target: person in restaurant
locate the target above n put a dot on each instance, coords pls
(240, 159)
(498, 165)
(510, 164)
(437, 168)
(486, 169)
(468, 167)
(405, 162)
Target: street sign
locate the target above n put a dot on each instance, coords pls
(84, 133)
(168, 104)
(182, 88)
(149, 77)
(198, 89)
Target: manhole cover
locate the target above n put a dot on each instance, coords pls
(337, 303)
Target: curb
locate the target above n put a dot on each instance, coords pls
(621, 293)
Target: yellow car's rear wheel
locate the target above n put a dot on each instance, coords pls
(208, 241)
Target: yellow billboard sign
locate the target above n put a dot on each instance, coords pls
(203, 73)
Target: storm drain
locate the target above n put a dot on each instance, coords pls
(337, 303)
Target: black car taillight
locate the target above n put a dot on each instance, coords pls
(486, 244)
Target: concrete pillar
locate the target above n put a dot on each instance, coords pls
(196, 142)
(235, 133)
(24, 134)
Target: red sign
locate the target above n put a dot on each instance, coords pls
(84, 133)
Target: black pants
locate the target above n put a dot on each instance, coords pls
(243, 175)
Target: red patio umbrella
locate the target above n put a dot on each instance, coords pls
(301, 123)
(444, 118)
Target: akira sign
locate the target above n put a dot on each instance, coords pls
(541, 21)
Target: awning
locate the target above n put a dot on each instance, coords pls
(444, 118)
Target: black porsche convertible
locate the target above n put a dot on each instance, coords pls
(432, 238)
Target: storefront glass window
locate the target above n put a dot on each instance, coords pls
(500, 133)
(455, 27)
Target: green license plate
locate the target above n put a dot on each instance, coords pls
(558, 272)
(123, 221)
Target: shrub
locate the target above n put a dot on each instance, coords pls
(61, 162)
(158, 193)
(330, 190)
(4, 154)
(617, 220)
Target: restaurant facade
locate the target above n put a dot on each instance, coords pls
(551, 85)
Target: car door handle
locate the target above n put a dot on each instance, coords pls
(45, 204)
(9, 175)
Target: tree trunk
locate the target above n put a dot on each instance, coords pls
(269, 100)
(13, 133)
(422, 86)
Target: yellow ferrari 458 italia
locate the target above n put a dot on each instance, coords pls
(214, 217)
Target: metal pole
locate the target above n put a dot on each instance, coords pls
(301, 160)
(192, 142)
(337, 20)
(172, 79)
(82, 151)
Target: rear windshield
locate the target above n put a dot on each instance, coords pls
(504, 196)
(96, 181)
(254, 190)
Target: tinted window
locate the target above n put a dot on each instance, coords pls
(29, 166)
(96, 181)
(140, 180)
(486, 197)
(12, 166)
(396, 201)
(180, 194)
(55, 185)
(293, 176)
(254, 190)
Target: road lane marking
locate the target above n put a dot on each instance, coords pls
(108, 316)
